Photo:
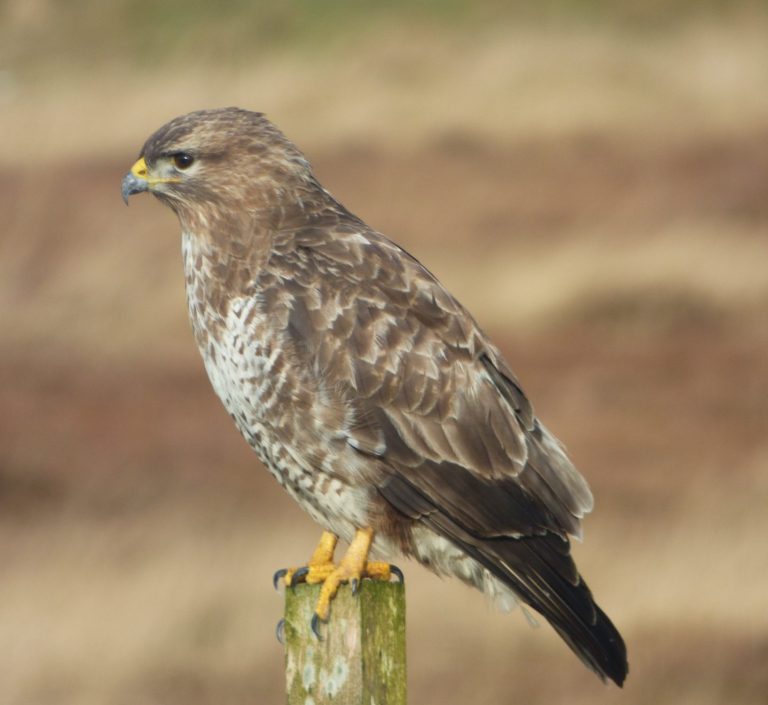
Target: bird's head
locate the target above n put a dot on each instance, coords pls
(211, 158)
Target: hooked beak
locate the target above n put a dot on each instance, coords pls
(135, 181)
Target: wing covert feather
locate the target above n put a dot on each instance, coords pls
(430, 393)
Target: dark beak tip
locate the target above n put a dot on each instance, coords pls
(131, 184)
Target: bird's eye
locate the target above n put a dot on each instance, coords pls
(183, 160)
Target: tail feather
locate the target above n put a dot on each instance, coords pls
(540, 570)
(518, 542)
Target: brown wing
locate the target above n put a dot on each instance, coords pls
(423, 383)
(426, 385)
(434, 402)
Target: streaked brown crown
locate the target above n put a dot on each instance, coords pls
(239, 156)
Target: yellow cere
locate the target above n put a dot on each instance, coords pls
(140, 171)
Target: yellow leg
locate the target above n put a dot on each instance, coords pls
(352, 568)
(318, 567)
(326, 547)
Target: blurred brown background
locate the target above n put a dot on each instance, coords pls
(591, 181)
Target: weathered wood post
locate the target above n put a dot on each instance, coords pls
(360, 659)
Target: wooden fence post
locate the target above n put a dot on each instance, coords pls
(360, 659)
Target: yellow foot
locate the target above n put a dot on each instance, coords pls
(352, 569)
(347, 573)
(318, 567)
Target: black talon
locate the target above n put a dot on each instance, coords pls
(276, 577)
(280, 631)
(315, 626)
(299, 574)
(355, 585)
(397, 573)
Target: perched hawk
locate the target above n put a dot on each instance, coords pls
(364, 387)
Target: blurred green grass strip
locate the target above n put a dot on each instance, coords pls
(143, 32)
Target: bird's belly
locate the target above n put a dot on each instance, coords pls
(255, 388)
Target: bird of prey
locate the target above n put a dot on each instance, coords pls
(365, 388)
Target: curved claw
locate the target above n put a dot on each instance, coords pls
(299, 574)
(355, 585)
(280, 631)
(397, 573)
(315, 626)
(277, 576)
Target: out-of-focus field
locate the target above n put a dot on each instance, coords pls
(597, 194)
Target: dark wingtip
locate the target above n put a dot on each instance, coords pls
(613, 654)
(599, 646)
(620, 670)
(547, 580)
